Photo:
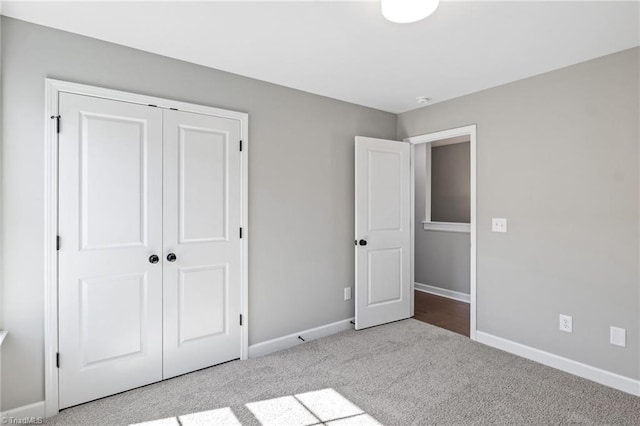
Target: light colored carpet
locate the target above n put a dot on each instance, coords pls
(404, 373)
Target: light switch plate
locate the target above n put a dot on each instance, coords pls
(498, 224)
(618, 337)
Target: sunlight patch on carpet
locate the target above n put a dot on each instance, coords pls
(282, 411)
(221, 417)
(321, 407)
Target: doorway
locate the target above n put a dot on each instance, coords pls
(444, 219)
(386, 224)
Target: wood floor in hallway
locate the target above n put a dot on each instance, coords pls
(442, 312)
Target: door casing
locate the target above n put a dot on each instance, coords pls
(53, 88)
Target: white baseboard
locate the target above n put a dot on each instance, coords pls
(32, 411)
(576, 368)
(291, 340)
(449, 294)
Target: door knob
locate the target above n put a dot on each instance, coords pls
(171, 257)
(154, 258)
(362, 242)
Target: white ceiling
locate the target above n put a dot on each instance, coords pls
(347, 50)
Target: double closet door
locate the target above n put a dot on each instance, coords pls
(150, 254)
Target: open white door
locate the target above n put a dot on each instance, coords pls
(383, 231)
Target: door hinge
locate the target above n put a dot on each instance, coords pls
(240, 232)
(57, 242)
(57, 118)
(57, 359)
(241, 145)
(152, 105)
(240, 319)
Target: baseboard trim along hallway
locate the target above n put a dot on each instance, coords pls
(607, 378)
(291, 340)
(449, 294)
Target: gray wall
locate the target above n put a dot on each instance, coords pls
(558, 157)
(300, 185)
(442, 259)
(451, 183)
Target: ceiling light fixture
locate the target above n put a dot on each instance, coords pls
(423, 99)
(406, 11)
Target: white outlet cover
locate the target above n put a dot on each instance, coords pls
(618, 337)
(347, 293)
(566, 323)
(498, 224)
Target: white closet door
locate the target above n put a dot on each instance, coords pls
(202, 229)
(110, 223)
(383, 231)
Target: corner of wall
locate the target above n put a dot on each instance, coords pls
(398, 125)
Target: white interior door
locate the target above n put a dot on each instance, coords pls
(110, 223)
(202, 201)
(383, 231)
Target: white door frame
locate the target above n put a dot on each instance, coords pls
(53, 88)
(432, 137)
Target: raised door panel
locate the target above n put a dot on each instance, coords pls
(384, 191)
(201, 227)
(117, 190)
(203, 164)
(202, 305)
(110, 222)
(384, 277)
(107, 336)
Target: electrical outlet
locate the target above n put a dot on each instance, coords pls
(498, 224)
(618, 336)
(566, 323)
(347, 293)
